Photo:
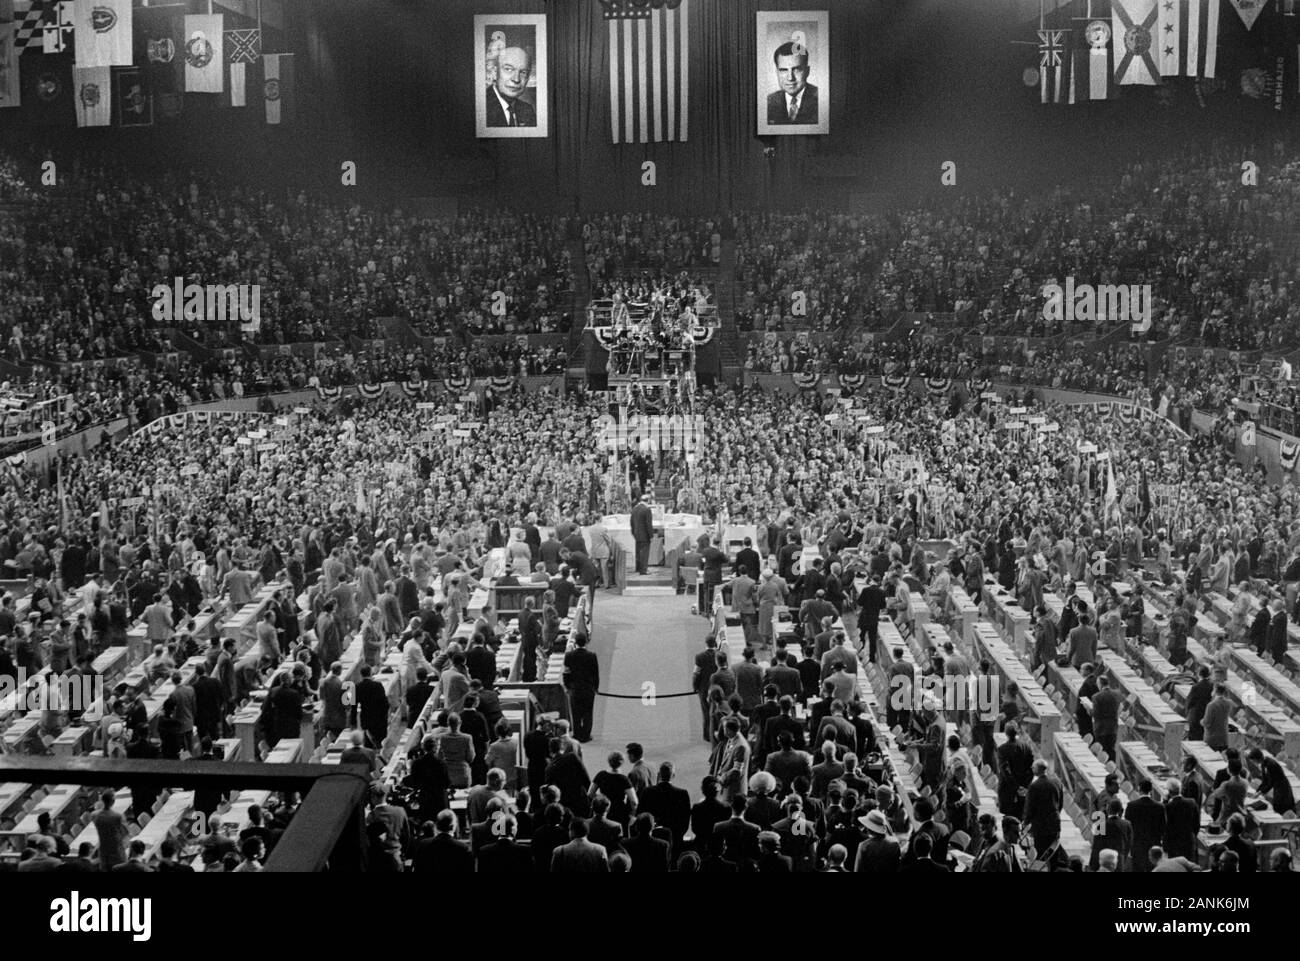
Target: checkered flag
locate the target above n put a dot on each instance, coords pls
(29, 18)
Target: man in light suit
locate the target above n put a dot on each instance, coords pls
(642, 532)
(579, 856)
(158, 621)
(733, 764)
(601, 544)
(505, 106)
(796, 101)
(744, 601)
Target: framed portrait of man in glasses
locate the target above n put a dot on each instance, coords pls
(510, 75)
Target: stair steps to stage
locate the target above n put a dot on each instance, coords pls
(658, 583)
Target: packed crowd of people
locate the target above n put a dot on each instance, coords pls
(78, 268)
(1024, 506)
(615, 243)
(1216, 256)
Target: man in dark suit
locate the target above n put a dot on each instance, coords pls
(642, 532)
(505, 105)
(1106, 704)
(706, 814)
(1259, 629)
(871, 601)
(1198, 699)
(83, 863)
(670, 806)
(706, 662)
(796, 101)
(1015, 768)
(1043, 803)
(1277, 636)
(1147, 815)
(649, 854)
(505, 855)
(1182, 821)
(1273, 781)
(735, 839)
(438, 851)
(748, 561)
(582, 678)
(372, 708)
(600, 829)
(770, 858)
(135, 863)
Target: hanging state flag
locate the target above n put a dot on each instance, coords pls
(205, 59)
(649, 77)
(102, 33)
(30, 18)
(93, 96)
(242, 48)
(1188, 37)
(58, 31)
(1093, 62)
(11, 87)
(277, 87)
(1248, 10)
(1134, 25)
(1262, 64)
(47, 90)
(159, 51)
(1053, 64)
(134, 99)
(1248, 434)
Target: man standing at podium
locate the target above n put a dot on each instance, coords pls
(642, 532)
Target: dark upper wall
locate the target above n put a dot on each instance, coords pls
(389, 84)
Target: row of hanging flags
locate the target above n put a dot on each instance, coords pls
(89, 59)
(1250, 47)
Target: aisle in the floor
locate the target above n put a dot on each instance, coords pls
(654, 640)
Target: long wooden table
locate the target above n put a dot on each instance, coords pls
(1010, 669)
(1138, 761)
(1166, 725)
(1269, 679)
(1274, 724)
(1081, 770)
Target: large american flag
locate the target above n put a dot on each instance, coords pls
(649, 47)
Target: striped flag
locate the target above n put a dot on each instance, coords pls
(649, 88)
(277, 87)
(242, 48)
(1188, 32)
